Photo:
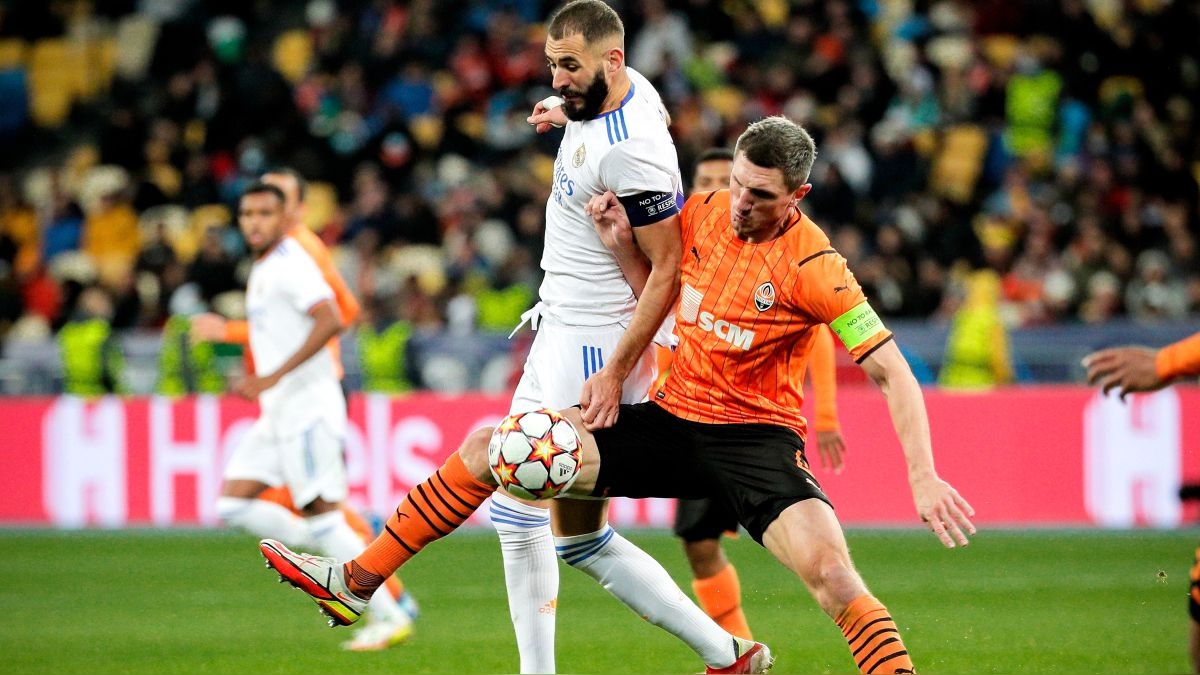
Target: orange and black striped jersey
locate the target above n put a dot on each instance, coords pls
(748, 315)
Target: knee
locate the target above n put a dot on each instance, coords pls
(834, 583)
(231, 509)
(473, 453)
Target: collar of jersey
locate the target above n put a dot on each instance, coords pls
(628, 95)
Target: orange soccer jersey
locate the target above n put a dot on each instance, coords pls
(238, 332)
(748, 316)
(1180, 359)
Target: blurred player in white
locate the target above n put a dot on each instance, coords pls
(297, 440)
(595, 321)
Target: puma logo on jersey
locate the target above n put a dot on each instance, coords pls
(696, 253)
(839, 289)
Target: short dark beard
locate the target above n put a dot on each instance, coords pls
(593, 99)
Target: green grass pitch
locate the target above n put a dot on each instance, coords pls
(1041, 601)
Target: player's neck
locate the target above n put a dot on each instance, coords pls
(266, 250)
(618, 89)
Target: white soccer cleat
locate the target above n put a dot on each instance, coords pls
(753, 657)
(320, 577)
(379, 635)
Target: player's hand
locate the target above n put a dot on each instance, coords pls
(611, 222)
(1126, 369)
(600, 400)
(252, 385)
(946, 513)
(207, 327)
(831, 446)
(544, 119)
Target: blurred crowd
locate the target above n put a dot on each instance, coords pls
(1052, 143)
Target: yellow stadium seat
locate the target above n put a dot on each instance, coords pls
(12, 53)
(51, 81)
(320, 205)
(1001, 50)
(959, 162)
(100, 60)
(209, 215)
(136, 36)
(292, 54)
(725, 100)
(173, 217)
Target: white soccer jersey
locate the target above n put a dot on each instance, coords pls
(283, 286)
(630, 152)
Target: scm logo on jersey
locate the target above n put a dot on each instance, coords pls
(733, 334)
(764, 296)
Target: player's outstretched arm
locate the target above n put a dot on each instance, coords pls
(326, 323)
(940, 506)
(1134, 369)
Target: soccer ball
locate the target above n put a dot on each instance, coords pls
(535, 455)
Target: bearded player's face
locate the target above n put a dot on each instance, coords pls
(578, 74)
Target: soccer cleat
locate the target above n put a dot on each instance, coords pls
(753, 657)
(321, 578)
(408, 605)
(379, 635)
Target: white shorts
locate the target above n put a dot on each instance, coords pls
(563, 357)
(309, 462)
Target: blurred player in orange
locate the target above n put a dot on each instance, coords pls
(215, 328)
(701, 522)
(1133, 369)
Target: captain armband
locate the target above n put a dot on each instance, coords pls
(857, 326)
(647, 208)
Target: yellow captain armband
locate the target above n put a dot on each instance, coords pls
(857, 326)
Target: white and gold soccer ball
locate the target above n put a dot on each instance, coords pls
(535, 455)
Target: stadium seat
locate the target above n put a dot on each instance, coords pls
(320, 205)
(1001, 50)
(292, 54)
(202, 218)
(134, 45)
(12, 53)
(52, 81)
(958, 163)
(172, 216)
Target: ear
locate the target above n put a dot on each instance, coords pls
(802, 191)
(614, 60)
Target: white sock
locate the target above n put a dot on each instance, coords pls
(531, 576)
(636, 579)
(265, 520)
(336, 538)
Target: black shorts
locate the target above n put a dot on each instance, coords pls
(755, 468)
(701, 519)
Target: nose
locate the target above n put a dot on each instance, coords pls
(560, 79)
(742, 202)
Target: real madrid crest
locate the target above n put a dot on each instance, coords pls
(580, 155)
(764, 296)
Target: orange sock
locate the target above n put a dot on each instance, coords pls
(432, 510)
(721, 597)
(363, 529)
(279, 495)
(874, 641)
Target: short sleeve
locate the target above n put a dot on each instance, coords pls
(830, 294)
(306, 286)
